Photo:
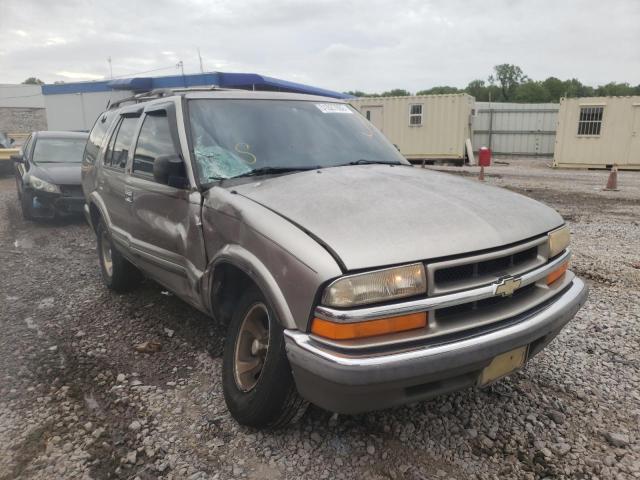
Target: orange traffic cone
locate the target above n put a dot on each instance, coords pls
(481, 176)
(612, 182)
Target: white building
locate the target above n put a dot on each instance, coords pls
(598, 132)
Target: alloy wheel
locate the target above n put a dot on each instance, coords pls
(251, 347)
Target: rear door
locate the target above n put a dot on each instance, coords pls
(111, 183)
(166, 230)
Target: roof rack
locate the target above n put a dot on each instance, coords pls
(159, 93)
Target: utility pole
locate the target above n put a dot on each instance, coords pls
(200, 58)
(180, 65)
(110, 67)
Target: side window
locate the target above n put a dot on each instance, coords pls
(415, 115)
(154, 140)
(590, 121)
(25, 147)
(92, 149)
(112, 140)
(120, 143)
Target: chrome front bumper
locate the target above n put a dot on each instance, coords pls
(348, 383)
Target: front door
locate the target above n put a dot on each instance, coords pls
(633, 157)
(165, 228)
(375, 115)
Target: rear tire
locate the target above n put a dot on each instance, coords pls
(256, 376)
(117, 272)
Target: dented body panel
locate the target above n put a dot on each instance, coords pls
(292, 231)
(281, 258)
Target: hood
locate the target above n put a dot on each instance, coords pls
(57, 173)
(375, 215)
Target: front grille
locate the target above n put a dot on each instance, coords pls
(474, 271)
(481, 306)
(71, 190)
(497, 267)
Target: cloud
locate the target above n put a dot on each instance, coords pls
(370, 45)
(79, 75)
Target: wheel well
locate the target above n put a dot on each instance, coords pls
(229, 282)
(95, 215)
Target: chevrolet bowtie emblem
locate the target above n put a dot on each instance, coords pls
(506, 286)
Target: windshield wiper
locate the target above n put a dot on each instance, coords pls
(273, 170)
(364, 161)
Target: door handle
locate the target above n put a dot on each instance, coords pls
(128, 196)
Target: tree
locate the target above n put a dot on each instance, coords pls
(613, 89)
(396, 92)
(360, 93)
(508, 77)
(508, 83)
(531, 92)
(33, 81)
(555, 87)
(441, 90)
(478, 90)
(575, 88)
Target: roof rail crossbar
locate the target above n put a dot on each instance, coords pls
(158, 93)
(141, 97)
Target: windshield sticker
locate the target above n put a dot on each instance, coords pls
(333, 108)
(243, 148)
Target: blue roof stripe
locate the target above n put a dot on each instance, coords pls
(77, 87)
(248, 81)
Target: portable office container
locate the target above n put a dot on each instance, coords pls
(425, 127)
(598, 132)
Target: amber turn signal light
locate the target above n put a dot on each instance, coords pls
(371, 328)
(557, 273)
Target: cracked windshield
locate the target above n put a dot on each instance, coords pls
(232, 138)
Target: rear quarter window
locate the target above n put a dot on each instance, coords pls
(118, 151)
(96, 138)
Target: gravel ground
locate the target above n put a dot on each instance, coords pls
(77, 400)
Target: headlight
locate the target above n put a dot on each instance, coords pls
(378, 286)
(558, 241)
(40, 184)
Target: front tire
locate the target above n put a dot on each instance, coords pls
(26, 204)
(19, 187)
(256, 377)
(117, 272)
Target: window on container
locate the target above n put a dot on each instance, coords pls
(590, 121)
(154, 140)
(415, 114)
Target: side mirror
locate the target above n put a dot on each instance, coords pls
(170, 170)
(17, 158)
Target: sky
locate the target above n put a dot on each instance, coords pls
(368, 45)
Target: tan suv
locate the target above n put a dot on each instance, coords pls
(346, 277)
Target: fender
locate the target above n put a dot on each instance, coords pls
(95, 199)
(258, 272)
